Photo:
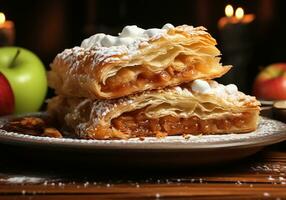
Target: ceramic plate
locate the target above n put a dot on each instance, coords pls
(171, 151)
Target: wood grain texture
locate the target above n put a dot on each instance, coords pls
(258, 177)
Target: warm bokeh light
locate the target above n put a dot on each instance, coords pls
(2, 18)
(228, 10)
(239, 13)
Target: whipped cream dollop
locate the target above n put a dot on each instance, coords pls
(128, 36)
(201, 86)
(207, 87)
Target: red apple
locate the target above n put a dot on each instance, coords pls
(7, 101)
(270, 84)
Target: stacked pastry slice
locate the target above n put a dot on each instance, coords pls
(153, 82)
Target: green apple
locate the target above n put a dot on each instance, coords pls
(26, 75)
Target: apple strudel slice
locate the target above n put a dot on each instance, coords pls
(199, 107)
(108, 67)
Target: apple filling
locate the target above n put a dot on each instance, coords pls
(132, 79)
(137, 124)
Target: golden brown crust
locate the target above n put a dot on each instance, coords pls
(110, 90)
(182, 54)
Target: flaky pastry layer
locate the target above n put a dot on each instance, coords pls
(170, 111)
(182, 54)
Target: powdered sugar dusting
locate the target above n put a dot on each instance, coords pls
(107, 48)
(127, 42)
(107, 52)
(22, 180)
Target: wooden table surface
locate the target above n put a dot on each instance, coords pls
(262, 176)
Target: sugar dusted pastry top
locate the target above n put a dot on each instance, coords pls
(128, 42)
(225, 97)
(129, 37)
(107, 67)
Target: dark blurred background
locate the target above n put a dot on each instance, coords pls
(48, 27)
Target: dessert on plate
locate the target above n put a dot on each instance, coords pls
(154, 82)
(199, 107)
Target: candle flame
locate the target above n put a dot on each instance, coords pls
(228, 10)
(239, 13)
(2, 18)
